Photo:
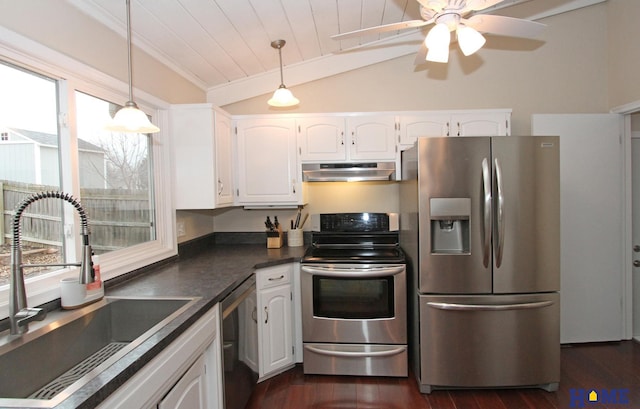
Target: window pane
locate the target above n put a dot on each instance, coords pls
(29, 163)
(116, 185)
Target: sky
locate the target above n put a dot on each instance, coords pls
(28, 101)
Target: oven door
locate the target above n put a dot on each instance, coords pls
(351, 303)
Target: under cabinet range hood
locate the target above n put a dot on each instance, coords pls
(348, 172)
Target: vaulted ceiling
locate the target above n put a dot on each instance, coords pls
(223, 46)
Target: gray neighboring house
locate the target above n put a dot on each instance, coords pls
(32, 157)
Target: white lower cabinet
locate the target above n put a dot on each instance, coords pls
(186, 374)
(191, 390)
(275, 322)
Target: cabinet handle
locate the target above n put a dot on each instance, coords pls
(254, 314)
(448, 129)
(266, 312)
(458, 128)
(276, 278)
(220, 187)
(293, 185)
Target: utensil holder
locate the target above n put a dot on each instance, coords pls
(295, 238)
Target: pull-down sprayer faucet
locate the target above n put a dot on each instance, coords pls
(19, 314)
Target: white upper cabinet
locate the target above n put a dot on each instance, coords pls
(453, 123)
(202, 156)
(481, 124)
(372, 137)
(268, 171)
(414, 126)
(321, 138)
(340, 138)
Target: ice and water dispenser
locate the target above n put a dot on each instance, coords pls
(450, 225)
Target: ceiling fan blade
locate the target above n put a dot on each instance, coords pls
(421, 55)
(435, 5)
(477, 5)
(381, 29)
(505, 26)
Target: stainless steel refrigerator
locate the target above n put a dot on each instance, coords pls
(480, 225)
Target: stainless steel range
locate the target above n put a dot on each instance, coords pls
(354, 311)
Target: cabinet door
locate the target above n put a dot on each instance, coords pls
(224, 155)
(189, 392)
(372, 137)
(267, 166)
(480, 124)
(414, 126)
(321, 139)
(192, 136)
(276, 344)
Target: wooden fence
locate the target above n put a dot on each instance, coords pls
(118, 218)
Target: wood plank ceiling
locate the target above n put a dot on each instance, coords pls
(223, 46)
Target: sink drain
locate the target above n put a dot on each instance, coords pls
(59, 384)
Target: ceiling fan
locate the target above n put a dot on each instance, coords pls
(460, 16)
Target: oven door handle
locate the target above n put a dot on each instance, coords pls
(354, 272)
(351, 354)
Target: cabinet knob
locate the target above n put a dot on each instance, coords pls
(636, 263)
(636, 248)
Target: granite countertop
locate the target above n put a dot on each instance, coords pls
(210, 275)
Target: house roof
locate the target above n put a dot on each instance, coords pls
(47, 139)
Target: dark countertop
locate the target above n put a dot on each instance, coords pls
(210, 274)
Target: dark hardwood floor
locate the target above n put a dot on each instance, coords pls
(614, 367)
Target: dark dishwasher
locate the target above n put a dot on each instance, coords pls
(239, 344)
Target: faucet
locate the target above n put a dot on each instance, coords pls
(19, 314)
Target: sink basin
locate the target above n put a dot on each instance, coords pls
(76, 346)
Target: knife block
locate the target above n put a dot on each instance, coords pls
(274, 239)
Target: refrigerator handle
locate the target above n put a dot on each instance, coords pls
(489, 307)
(486, 201)
(499, 242)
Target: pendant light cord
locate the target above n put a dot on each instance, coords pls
(129, 50)
(281, 75)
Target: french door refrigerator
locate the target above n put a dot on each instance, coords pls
(480, 225)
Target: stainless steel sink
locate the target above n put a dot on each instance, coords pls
(73, 347)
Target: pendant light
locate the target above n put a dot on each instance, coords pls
(129, 118)
(282, 97)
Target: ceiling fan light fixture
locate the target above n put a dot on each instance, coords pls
(129, 118)
(282, 97)
(470, 39)
(438, 36)
(437, 42)
(438, 54)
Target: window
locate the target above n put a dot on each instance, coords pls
(121, 180)
(29, 163)
(116, 185)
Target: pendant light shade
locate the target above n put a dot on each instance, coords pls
(282, 97)
(470, 40)
(130, 118)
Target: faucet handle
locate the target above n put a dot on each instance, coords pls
(26, 315)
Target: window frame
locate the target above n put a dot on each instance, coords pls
(71, 76)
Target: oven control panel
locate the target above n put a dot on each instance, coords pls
(354, 222)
